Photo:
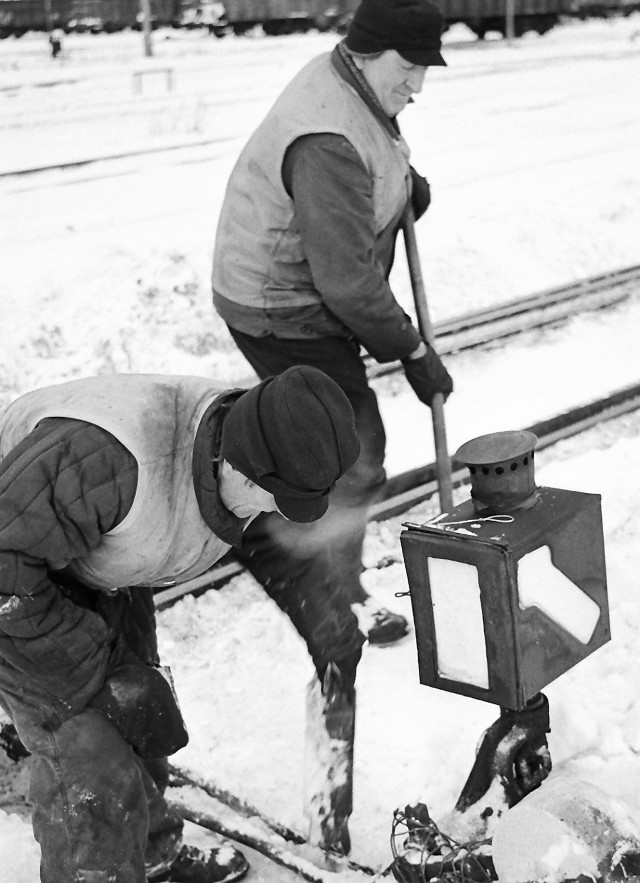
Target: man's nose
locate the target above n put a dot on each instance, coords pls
(416, 78)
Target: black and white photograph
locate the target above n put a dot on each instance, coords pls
(319, 441)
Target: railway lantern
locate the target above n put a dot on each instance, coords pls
(509, 588)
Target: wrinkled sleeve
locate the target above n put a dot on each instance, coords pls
(333, 197)
(62, 487)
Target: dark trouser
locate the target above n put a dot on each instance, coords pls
(99, 813)
(313, 571)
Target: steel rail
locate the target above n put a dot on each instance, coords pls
(407, 489)
(114, 157)
(414, 486)
(474, 329)
(547, 307)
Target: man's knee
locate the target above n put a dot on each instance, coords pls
(365, 479)
(362, 483)
(90, 812)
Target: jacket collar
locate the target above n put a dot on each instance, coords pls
(206, 457)
(343, 62)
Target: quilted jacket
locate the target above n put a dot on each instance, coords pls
(63, 486)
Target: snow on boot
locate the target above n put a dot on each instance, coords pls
(328, 772)
(380, 625)
(221, 864)
(387, 627)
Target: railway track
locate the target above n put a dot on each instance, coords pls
(228, 815)
(475, 329)
(486, 326)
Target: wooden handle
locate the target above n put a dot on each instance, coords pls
(443, 461)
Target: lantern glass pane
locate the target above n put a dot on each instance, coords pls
(461, 647)
(542, 585)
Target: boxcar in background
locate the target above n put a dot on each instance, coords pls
(94, 16)
(490, 15)
(275, 16)
(19, 16)
(281, 16)
(481, 16)
(587, 8)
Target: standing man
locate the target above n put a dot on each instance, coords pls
(55, 42)
(110, 486)
(306, 236)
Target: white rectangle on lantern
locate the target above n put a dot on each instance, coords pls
(542, 585)
(459, 628)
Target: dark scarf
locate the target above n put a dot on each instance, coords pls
(345, 65)
(206, 457)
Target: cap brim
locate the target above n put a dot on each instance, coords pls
(423, 57)
(300, 510)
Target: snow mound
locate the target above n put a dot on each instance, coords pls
(564, 829)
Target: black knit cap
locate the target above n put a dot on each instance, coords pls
(293, 435)
(412, 27)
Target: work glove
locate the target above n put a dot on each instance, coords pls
(420, 194)
(514, 752)
(529, 756)
(427, 376)
(139, 701)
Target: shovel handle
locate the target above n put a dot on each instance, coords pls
(443, 461)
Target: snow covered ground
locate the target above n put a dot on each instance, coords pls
(532, 153)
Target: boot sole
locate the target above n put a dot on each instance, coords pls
(233, 875)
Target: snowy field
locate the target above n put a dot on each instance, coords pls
(533, 155)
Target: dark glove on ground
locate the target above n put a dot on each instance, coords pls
(139, 702)
(427, 376)
(420, 194)
(513, 751)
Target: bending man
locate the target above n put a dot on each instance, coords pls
(110, 486)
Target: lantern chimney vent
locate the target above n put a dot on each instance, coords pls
(501, 466)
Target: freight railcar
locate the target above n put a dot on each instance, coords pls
(481, 16)
(490, 15)
(275, 16)
(95, 16)
(19, 16)
(587, 8)
(281, 16)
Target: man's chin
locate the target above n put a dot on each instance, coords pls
(399, 106)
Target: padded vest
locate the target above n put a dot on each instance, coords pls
(163, 539)
(258, 258)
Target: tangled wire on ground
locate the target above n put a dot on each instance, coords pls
(423, 853)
